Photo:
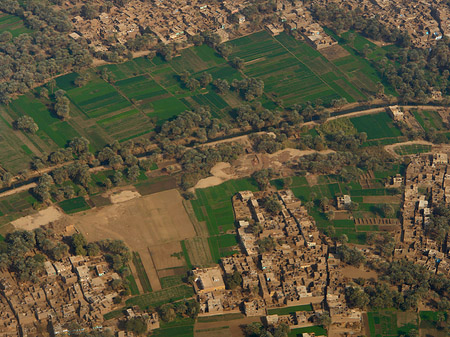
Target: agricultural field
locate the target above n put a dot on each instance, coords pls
(157, 298)
(213, 204)
(16, 206)
(391, 323)
(429, 119)
(405, 150)
(289, 310)
(142, 274)
(360, 70)
(376, 126)
(281, 63)
(12, 24)
(74, 205)
(317, 330)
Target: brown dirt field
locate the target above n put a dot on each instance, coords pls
(382, 199)
(142, 223)
(171, 272)
(163, 255)
(334, 52)
(199, 252)
(353, 272)
(344, 215)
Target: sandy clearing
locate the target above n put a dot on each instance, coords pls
(142, 223)
(245, 165)
(353, 272)
(18, 190)
(124, 196)
(41, 218)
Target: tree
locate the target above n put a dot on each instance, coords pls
(387, 210)
(237, 63)
(62, 106)
(167, 312)
(205, 79)
(136, 325)
(26, 123)
(224, 50)
(221, 85)
(133, 173)
(233, 280)
(324, 319)
(192, 84)
(253, 329)
(79, 145)
(356, 297)
(272, 205)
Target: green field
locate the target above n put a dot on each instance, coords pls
(157, 298)
(142, 274)
(134, 290)
(429, 119)
(317, 330)
(376, 126)
(404, 150)
(171, 281)
(12, 24)
(384, 323)
(214, 206)
(222, 245)
(16, 206)
(74, 205)
(292, 70)
(290, 310)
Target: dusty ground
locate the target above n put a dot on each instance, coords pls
(166, 255)
(144, 224)
(41, 218)
(334, 52)
(123, 196)
(387, 199)
(350, 271)
(245, 165)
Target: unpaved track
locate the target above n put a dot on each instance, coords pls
(391, 148)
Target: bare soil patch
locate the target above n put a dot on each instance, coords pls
(123, 196)
(167, 255)
(382, 199)
(142, 223)
(41, 218)
(341, 215)
(353, 272)
(334, 52)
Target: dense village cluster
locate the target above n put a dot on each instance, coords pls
(74, 289)
(285, 263)
(180, 21)
(427, 187)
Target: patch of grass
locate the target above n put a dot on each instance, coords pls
(13, 24)
(186, 254)
(74, 205)
(376, 126)
(142, 274)
(134, 290)
(404, 150)
(171, 281)
(157, 298)
(317, 330)
(181, 331)
(214, 204)
(220, 318)
(289, 310)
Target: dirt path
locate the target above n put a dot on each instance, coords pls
(18, 190)
(391, 148)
